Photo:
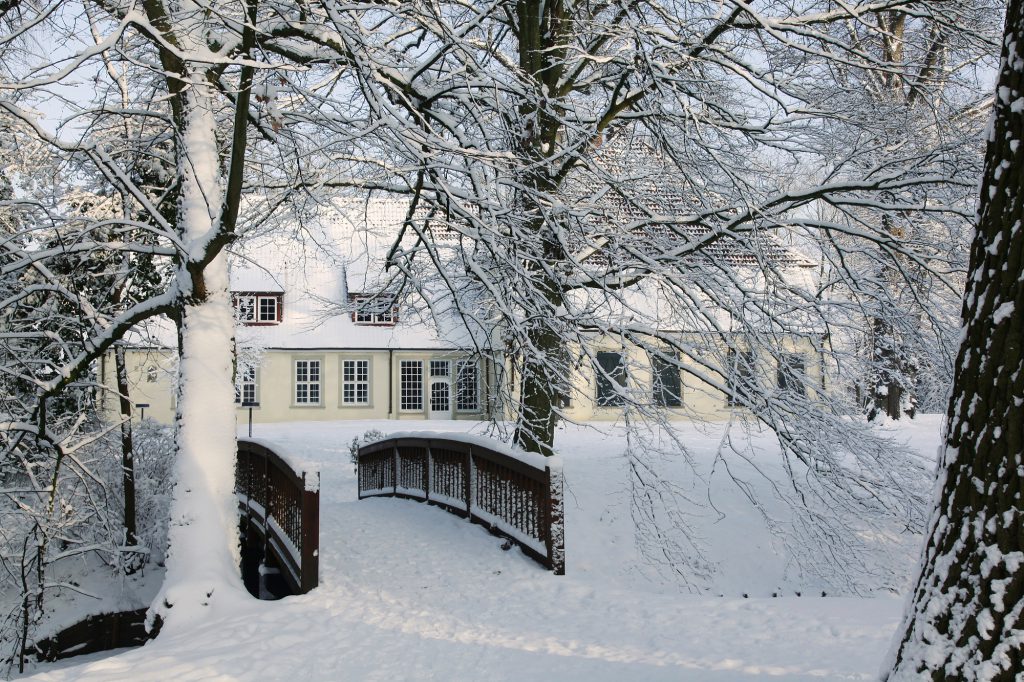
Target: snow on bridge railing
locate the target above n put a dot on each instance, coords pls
(282, 504)
(516, 494)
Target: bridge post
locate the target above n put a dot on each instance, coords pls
(267, 513)
(427, 470)
(397, 463)
(554, 519)
(310, 534)
(467, 483)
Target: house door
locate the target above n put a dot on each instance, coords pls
(440, 389)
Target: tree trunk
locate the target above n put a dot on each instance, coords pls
(892, 375)
(965, 620)
(203, 554)
(540, 34)
(130, 562)
(535, 431)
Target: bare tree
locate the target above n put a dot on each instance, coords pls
(965, 619)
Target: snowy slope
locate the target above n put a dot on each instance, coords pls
(410, 592)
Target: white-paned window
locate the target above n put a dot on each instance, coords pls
(411, 388)
(246, 386)
(355, 382)
(440, 368)
(268, 308)
(373, 310)
(258, 308)
(307, 382)
(467, 386)
(246, 306)
(440, 397)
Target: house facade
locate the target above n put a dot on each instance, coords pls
(320, 336)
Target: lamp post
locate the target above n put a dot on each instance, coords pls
(142, 407)
(250, 405)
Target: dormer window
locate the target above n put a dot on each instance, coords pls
(258, 308)
(373, 310)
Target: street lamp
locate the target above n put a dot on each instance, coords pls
(250, 405)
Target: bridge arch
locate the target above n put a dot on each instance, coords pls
(514, 494)
(279, 522)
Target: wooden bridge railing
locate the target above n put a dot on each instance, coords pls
(283, 506)
(514, 497)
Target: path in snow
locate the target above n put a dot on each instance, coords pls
(408, 591)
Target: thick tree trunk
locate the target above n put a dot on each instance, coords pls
(535, 431)
(966, 618)
(893, 375)
(203, 555)
(541, 36)
(888, 393)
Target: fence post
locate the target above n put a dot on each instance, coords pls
(310, 560)
(359, 473)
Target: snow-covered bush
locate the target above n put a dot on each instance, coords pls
(359, 441)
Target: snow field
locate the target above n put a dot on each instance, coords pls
(410, 592)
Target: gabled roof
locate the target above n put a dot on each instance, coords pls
(254, 280)
(643, 202)
(317, 264)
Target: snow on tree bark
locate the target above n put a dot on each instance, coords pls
(965, 619)
(203, 555)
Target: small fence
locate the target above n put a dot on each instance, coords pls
(514, 498)
(282, 507)
(101, 632)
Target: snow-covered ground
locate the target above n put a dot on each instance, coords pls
(408, 591)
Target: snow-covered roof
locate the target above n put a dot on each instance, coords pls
(317, 265)
(254, 279)
(658, 209)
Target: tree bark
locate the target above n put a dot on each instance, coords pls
(965, 619)
(541, 40)
(127, 459)
(203, 555)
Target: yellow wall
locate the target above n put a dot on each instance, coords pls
(152, 377)
(275, 391)
(700, 399)
(275, 385)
